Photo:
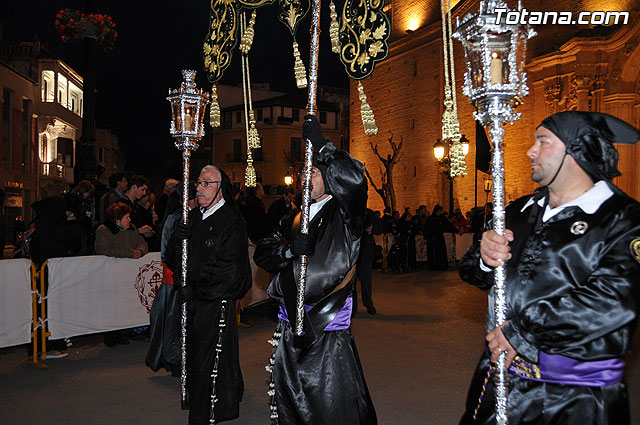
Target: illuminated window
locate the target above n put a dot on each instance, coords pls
(62, 90)
(48, 86)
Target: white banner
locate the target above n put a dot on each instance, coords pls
(15, 302)
(98, 293)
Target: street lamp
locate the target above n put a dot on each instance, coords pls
(288, 179)
(465, 145)
(187, 127)
(495, 83)
(488, 187)
(442, 153)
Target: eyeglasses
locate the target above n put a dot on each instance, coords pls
(205, 183)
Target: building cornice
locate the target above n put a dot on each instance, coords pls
(569, 50)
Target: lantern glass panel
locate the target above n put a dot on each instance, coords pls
(201, 110)
(499, 45)
(475, 53)
(190, 110)
(175, 114)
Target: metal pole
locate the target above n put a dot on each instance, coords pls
(497, 174)
(306, 187)
(186, 155)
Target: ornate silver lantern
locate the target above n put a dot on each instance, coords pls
(495, 83)
(188, 105)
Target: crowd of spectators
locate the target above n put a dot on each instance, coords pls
(411, 239)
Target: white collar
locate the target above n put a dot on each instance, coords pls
(589, 202)
(316, 206)
(215, 207)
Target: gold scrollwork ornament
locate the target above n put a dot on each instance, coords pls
(364, 36)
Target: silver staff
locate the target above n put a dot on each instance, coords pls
(188, 105)
(308, 153)
(495, 83)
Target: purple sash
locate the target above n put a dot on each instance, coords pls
(558, 369)
(341, 322)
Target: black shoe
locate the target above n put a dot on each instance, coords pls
(371, 310)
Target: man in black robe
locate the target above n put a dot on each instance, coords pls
(218, 274)
(318, 379)
(572, 257)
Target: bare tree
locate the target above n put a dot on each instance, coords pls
(380, 191)
(387, 191)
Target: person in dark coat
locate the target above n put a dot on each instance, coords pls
(571, 257)
(318, 378)
(281, 207)
(164, 317)
(373, 226)
(118, 185)
(255, 214)
(54, 236)
(437, 225)
(218, 274)
(118, 237)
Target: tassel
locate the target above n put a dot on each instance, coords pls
(250, 173)
(334, 29)
(298, 68)
(214, 109)
(254, 138)
(247, 36)
(368, 119)
(458, 164)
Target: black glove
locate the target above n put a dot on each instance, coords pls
(183, 231)
(311, 131)
(302, 245)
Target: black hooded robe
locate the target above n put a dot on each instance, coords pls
(217, 270)
(322, 383)
(568, 293)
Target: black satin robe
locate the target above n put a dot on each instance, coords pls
(323, 383)
(217, 269)
(572, 294)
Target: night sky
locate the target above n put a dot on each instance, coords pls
(154, 44)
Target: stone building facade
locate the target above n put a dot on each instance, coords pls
(594, 68)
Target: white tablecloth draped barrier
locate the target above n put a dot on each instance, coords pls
(15, 302)
(90, 294)
(97, 293)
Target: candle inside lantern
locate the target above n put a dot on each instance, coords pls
(496, 69)
(188, 121)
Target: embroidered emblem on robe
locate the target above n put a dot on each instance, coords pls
(579, 227)
(635, 249)
(209, 243)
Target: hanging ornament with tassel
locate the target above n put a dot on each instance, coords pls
(290, 12)
(450, 123)
(334, 29)
(250, 173)
(253, 139)
(298, 68)
(368, 119)
(360, 40)
(214, 108)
